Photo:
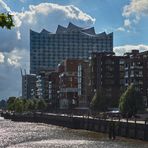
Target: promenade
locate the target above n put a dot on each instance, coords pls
(136, 129)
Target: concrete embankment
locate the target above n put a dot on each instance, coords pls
(135, 129)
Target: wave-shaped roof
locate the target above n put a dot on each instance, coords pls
(45, 31)
(61, 29)
(73, 28)
(89, 31)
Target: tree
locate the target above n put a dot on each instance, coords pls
(19, 105)
(6, 20)
(25, 104)
(131, 101)
(30, 105)
(42, 105)
(11, 103)
(99, 101)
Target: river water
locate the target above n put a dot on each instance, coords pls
(38, 135)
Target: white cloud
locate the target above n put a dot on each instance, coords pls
(136, 7)
(120, 50)
(135, 10)
(18, 35)
(4, 6)
(15, 58)
(1, 57)
(16, 53)
(10, 75)
(127, 23)
(37, 13)
(120, 29)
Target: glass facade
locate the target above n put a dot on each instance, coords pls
(47, 49)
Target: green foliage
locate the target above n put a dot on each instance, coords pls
(35, 102)
(30, 105)
(6, 21)
(131, 101)
(42, 105)
(19, 105)
(99, 101)
(23, 105)
(11, 103)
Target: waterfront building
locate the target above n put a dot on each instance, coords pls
(47, 86)
(83, 84)
(136, 71)
(48, 49)
(72, 92)
(107, 74)
(28, 86)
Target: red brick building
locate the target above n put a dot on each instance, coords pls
(70, 83)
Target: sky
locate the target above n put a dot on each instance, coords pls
(127, 19)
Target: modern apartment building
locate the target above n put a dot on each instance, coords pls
(47, 49)
(72, 92)
(83, 84)
(28, 86)
(47, 86)
(107, 74)
(136, 71)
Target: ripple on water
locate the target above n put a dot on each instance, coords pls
(33, 135)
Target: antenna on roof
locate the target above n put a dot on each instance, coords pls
(25, 71)
(21, 71)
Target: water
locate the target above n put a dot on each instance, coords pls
(33, 135)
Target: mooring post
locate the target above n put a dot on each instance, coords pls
(135, 128)
(127, 127)
(88, 121)
(119, 126)
(145, 130)
(109, 131)
(114, 130)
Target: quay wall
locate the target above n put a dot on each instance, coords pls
(124, 129)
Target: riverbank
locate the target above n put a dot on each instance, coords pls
(123, 128)
(37, 135)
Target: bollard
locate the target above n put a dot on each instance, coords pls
(135, 128)
(112, 134)
(119, 127)
(145, 131)
(127, 127)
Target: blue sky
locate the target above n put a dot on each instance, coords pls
(108, 15)
(127, 19)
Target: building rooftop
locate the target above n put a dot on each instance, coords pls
(73, 28)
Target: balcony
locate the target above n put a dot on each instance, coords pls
(126, 76)
(132, 75)
(39, 80)
(136, 67)
(139, 75)
(39, 85)
(69, 89)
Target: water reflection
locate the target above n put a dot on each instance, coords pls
(32, 135)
